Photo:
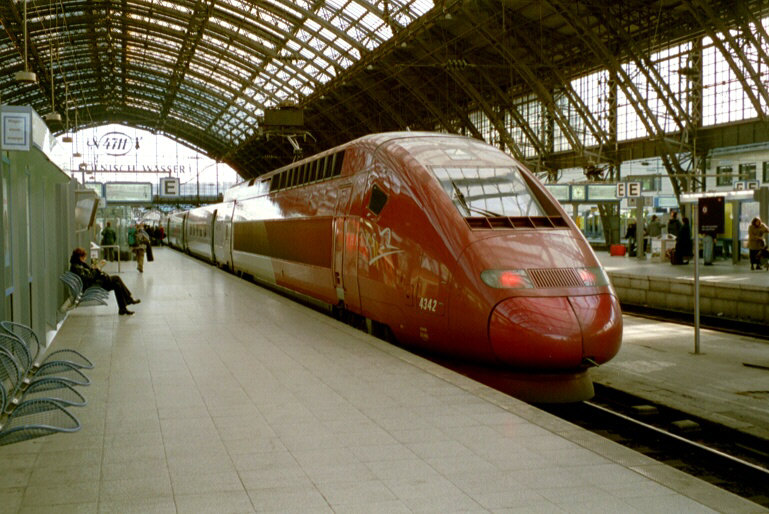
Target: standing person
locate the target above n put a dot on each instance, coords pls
(108, 237)
(756, 243)
(630, 235)
(683, 251)
(655, 227)
(92, 275)
(708, 247)
(674, 224)
(142, 241)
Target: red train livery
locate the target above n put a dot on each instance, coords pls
(448, 242)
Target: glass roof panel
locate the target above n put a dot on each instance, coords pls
(232, 58)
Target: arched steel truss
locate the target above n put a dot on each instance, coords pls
(204, 71)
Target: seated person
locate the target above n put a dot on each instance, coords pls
(92, 275)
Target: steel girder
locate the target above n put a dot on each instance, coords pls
(204, 74)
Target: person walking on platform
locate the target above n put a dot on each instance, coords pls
(108, 237)
(683, 250)
(142, 241)
(674, 224)
(756, 242)
(92, 275)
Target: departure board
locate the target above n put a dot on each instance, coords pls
(128, 192)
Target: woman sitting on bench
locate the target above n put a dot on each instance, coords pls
(92, 275)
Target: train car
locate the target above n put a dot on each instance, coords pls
(449, 244)
(199, 230)
(175, 230)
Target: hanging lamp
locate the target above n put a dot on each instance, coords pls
(76, 153)
(66, 138)
(26, 75)
(53, 116)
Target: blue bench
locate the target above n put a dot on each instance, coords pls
(35, 389)
(92, 295)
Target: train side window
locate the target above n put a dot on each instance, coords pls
(321, 168)
(292, 174)
(308, 172)
(338, 159)
(303, 174)
(378, 200)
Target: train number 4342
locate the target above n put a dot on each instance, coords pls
(428, 304)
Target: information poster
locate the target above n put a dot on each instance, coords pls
(16, 130)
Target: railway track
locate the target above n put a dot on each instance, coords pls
(744, 328)
(726, 458)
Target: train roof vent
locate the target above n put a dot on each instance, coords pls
(515, 222)
(555, 277)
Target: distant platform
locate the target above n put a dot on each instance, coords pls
(727, 290)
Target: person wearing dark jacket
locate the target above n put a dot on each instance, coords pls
(683, 251)
(92, 275)
(674, 225)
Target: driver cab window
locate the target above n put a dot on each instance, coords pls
(377, 200)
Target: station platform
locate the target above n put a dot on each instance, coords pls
(220, 396)
(729, 291)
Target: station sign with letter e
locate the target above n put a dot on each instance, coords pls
(169, 186)
(628, 189)
(711, 212)
(746, 185)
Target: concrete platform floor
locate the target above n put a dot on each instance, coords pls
(219, 396)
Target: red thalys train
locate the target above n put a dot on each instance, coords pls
(448, 242)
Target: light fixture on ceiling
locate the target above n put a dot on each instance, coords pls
(26, 75)
(66, 138)
(53, 116)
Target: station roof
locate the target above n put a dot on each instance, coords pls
(205, 71)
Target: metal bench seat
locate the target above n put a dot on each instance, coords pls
(50, 388)
(78, 296)
(34, 418)
(21, 380)
(30, 339)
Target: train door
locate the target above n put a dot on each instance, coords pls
(345, 244)
(223, 236)
(183, 238)
(382, 256)
(212, 236)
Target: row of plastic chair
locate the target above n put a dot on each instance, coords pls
(34, 393)
(78, 296)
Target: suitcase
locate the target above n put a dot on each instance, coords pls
(617, 250)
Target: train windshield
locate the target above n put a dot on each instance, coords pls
(488, 191)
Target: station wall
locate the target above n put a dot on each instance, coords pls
(38, 231)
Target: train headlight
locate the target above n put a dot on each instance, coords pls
(593, 277)
(506, 279)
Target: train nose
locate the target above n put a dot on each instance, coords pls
(556, 332)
